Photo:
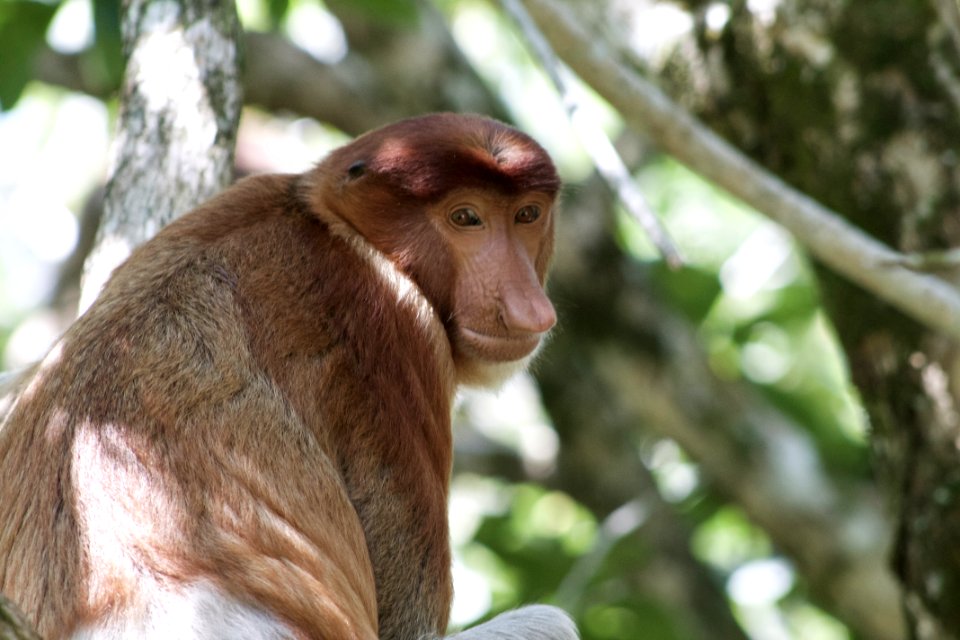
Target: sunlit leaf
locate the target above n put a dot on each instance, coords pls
(690, 289)
(635, 618)
(277, 10)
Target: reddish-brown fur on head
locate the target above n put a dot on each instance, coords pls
(396, 185)
(421, 159)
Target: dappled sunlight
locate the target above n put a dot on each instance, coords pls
(315, 30)
(71, 29)
(54, 152)
(493, 50)
(761, 582)
(549, 525)
(677, 477)
(512, 416)
(31, 340)
(111, 251)
(736, 351)
(472, 596)
(655, 27)
(760, 263)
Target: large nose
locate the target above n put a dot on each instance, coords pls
(525, 307)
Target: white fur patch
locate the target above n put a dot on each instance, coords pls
(123, 503)
(534, 622)
(493, 375)
(407, 292)
(195, 612)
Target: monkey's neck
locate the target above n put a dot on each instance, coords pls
(319, 300)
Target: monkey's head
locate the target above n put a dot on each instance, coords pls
(464, 206)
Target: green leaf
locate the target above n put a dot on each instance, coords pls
(277, 10)
(690, 289)
(631, 618)
(107, 57)
(387, 11)
(23, 27)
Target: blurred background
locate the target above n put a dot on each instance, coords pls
(689, 457)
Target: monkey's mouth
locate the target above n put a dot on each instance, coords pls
(498, 348)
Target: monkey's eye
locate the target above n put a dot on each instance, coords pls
(465, 217)
(356, 169)
(527, 214)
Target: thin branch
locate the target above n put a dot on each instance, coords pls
(947, 78)
(752, 453)
(771, 468)
(13, 624)
(835, 242)
(949, 11)
(605, 157)
(615, 527)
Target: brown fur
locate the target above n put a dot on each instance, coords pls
(259, 401)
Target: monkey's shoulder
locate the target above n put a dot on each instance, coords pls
(245, 204)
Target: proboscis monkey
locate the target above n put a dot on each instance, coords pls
(248, 434)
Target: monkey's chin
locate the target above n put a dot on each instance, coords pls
(497, 349)
(489, 361)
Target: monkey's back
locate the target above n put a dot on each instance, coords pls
(154, 447)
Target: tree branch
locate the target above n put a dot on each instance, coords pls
(646, 370)
(607, 161)
(13, 624)
(949, 12)
(835, 242)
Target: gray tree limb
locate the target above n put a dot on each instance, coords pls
(645, 371)
(178, 119)
(13, 625)
(835, 242)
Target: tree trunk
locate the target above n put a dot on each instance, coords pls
(179, 112)
(857, 104)
(180, 106)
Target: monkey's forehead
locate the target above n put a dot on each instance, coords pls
(430, 155)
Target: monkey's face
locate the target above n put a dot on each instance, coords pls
(500, 247)
(463, 205)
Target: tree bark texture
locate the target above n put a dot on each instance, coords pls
(13, 624)
(766, 87)
(871, 128)
(856, 105)
(180, 106)
(626, 367)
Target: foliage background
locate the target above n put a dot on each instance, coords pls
(690, 458)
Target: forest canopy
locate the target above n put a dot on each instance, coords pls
(760, 442)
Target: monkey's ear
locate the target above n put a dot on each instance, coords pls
(357, 169)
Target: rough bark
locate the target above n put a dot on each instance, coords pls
(855, 105)
(13, 624)
(180, 106)
(870, 126)
(842, 246)
(389, 73)
(627, 365)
